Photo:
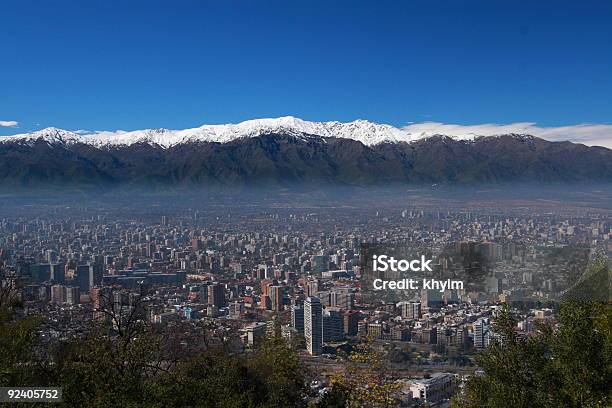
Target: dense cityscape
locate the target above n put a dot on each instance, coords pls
(306, 204)
(238, 274)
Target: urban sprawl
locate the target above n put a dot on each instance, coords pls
(239, 274)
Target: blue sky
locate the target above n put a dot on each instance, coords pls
(128, 65)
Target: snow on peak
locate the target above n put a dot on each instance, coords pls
(50, 134)
(367, 132)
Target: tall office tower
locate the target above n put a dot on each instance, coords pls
(265, 286)
(84, 277)
(149, 250)
(58, 272)
(480, 333)
(276, 297)
(312, 287)
(320, 264)
(108, 259)
(88, 276)
(96, 294)
(313, 325)
(216, 295)
(297, 318)
(333, 325)
(58, 294)
(73, 295)
(351, 322)
(411, 310)
(41, 273)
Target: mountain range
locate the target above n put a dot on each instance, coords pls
(288, 151)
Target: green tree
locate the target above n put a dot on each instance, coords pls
(272, 377)
(364, 382)
(567, 367)
(285, 378)
(20, 364)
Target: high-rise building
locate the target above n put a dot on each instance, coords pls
(57, 272)
(312, 287)
(297, 318)
(411, 310)
(351, 322)
(480, 333)
(429, 335)
(95, 294)
(265, 286)
(73, 295)
(400, 333)
(333, 325)
(324, 297)
(375, 330)
(41, 273)
(216, 295)
(276, 297)
(58, 294)
(320, 264)
(493, 285)
(313, 325)
(88, 276)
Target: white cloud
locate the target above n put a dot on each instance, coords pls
(588, 134)
(8, 123)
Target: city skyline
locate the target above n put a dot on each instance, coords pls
(239, 274)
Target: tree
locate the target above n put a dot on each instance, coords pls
(581, 352)
(364, 381)
(272, 377)
(19, 362)
(115, 358)
(567, 367)
(285, 380)
(517, 371)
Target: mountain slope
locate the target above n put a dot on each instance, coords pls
(282, 159)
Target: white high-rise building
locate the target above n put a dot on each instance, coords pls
(313, 325)
(480, 327)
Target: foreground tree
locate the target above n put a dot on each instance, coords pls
(364, 382)
(20, 365)
(570, 366)
(272, 377)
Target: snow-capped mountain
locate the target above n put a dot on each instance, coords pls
(368, 133)
(288, 152)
